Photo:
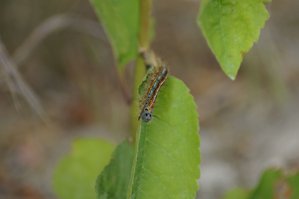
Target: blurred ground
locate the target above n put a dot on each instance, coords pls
(246, 125)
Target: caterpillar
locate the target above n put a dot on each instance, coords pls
(155, 80)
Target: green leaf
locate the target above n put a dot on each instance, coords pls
(236, 193)
(120, 20)
(75, 175)
(293, 181)
(266, 187)
(272, 184)
(166, 163)
(230, 28)
(113, 182)
(276, 184)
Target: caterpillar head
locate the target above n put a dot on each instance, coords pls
(146, 115)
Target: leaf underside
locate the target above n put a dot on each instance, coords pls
(113, 182)
(121, 22)
(231, 27)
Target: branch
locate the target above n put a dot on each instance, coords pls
(16, 84)
(52, 25)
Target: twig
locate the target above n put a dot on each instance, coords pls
(16, 84)
(54, 24)
(58, 23)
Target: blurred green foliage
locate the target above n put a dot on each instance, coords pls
(273, 184)
(75, 175)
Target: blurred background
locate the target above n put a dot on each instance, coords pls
(63, 56)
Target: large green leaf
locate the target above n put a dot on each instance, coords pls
(113, 182)
(75, 175)
(121, 21)
(166, 163)
(230, 28)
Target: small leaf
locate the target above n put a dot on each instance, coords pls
(236, 193)
(120, 20)
(275, 183)
(272, 184)
(267, 185)
(166, 163)
(113, 182)
(230, 28)
(293, 181)
(75, 174)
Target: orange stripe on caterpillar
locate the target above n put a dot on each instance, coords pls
(152, 92)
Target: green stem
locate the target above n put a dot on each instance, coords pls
(143, 41)
(145, 20)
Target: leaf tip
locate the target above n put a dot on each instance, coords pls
(266, 1)
(232, 77)
(231, 70)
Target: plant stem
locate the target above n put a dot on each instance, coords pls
(145, 7)
(143, 42)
